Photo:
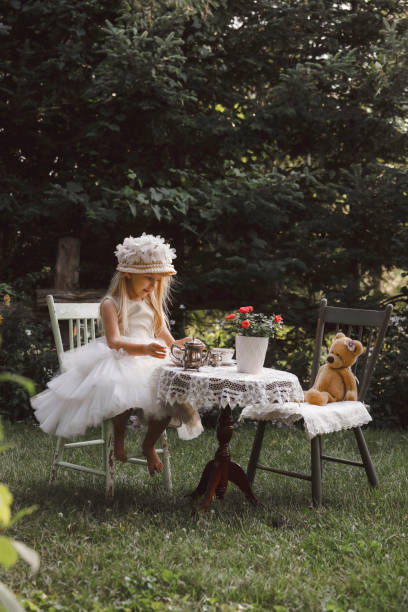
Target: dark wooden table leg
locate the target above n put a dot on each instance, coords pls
(221, 469)
(205, 477)
(239, 478)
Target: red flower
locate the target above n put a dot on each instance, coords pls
(250, 308)
(246, 309)
(278, 319)
(245, 323)
(231, 316)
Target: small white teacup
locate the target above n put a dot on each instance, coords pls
(226, 354)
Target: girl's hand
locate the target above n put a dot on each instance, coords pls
(183, 341)
(154, 349)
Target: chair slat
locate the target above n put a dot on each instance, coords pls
(360, 332)
(360, 363)
(78, 332)
(71, 334)
(354, 316)
(93, 329)
(75, 310)
(85, 331)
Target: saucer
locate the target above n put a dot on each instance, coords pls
(176, 363)
(228, 363)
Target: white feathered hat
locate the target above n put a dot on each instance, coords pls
(146, 253)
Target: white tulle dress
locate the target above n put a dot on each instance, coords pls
(98, 383)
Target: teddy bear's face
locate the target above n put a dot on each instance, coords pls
(343, 352)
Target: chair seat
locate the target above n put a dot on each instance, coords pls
(317, 419)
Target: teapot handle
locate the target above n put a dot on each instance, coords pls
(207, 356)
(179, 348)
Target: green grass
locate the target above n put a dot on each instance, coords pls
(148, 552)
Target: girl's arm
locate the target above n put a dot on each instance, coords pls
(168, 338)
(115, 341)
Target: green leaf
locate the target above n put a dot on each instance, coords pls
(8, 554)
(23, 512)
(167, 575)
(132, 207)
(28, 384)
(156, 195)
(157, 213)
(6, 499)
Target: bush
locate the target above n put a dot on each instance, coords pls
(390, 380)
(26, 349)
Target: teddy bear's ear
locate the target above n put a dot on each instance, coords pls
(340, 335)
(359, 347)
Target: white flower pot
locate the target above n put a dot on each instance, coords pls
(250, 353)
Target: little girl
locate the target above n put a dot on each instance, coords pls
(113, 374)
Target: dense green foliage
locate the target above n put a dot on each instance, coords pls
(267, 141)
(27, 349)
(387, 393)
(149, 552)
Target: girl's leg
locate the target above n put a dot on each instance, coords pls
(119, 425)
(154, 431)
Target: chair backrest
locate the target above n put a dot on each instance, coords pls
(368, 326)
(82, 323)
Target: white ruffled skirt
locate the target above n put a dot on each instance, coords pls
(98, 383)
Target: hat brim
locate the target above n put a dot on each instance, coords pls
(161, 268)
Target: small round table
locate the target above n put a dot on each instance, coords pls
(226, 388)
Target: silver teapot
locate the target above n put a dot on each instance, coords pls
(192, 355)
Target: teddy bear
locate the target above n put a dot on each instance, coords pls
(335, 381)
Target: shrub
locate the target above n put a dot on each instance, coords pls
(390, 380)
(27, 350)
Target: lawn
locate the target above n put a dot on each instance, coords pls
(147, 551)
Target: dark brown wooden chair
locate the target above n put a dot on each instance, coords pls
(368, 326)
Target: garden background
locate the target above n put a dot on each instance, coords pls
(267, 141)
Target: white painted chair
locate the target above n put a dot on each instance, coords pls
(83, 327)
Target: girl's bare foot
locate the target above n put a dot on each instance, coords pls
(153, 462)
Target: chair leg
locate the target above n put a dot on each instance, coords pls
(365, 457)
(166, 462)
(59, 450)
(316, 462)
(255, 452)
(321, 453)
(108, 434)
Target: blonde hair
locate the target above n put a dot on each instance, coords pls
(159, 301)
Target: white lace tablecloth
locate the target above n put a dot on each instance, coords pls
(224, 385)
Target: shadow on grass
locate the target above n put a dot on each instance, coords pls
(153, 504)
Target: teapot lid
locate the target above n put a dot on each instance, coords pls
(195, 342)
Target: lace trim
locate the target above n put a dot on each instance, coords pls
(317, 420)
(224, 386)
